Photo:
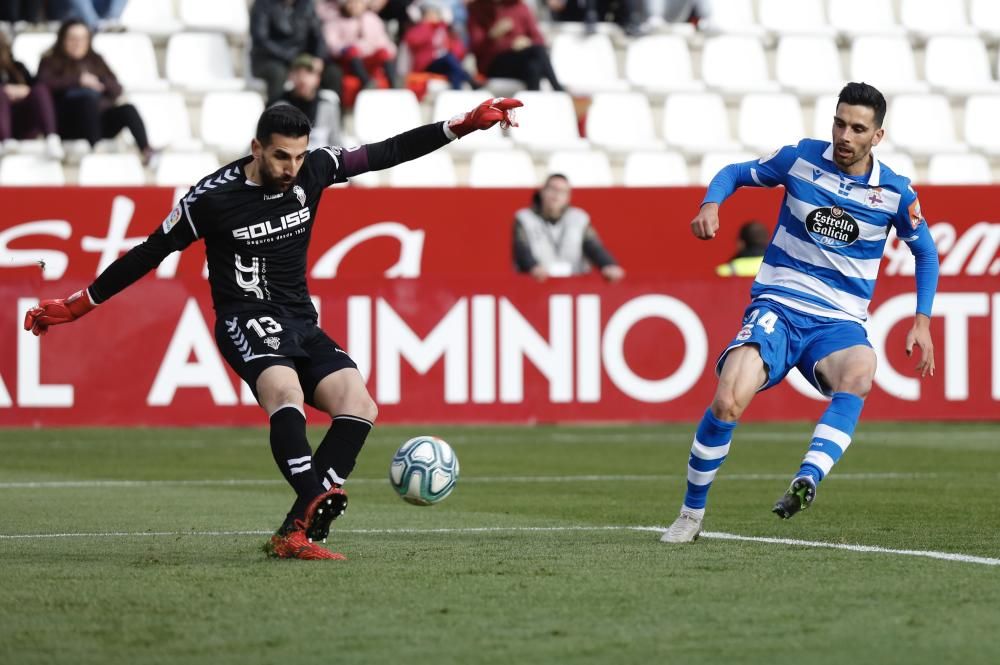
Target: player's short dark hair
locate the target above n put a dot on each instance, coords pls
(862, 94)
(553, 176)
(283, 119)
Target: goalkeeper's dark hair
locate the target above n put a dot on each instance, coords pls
(282, 119)
(862, 94)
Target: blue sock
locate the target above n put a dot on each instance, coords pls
(832, 435)
(708, 452)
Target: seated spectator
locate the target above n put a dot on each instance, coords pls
(356, 39)
(434, 47)
(750, 247)
(322, 107)
(97, 14)
(504, 37)
(86, 91)
(676, 11)
(17, 11)
(281, 30)
(626, 13)
(26, 108)
(554, 239)
(403, 12)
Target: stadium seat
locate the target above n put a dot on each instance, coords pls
(28, 48)
(111, 170)
(879, 17)
(621, 121)
(449, 103)
(794, 17)
(502, 168)
(697, 123)
(547, 123)
(229, 121)
(922, 125)
(132, 58)
(900, 162)
(655, 169)
(985, 16)
(646, 68)
(969, 169)
(808, 65)
(713, 162)
(958, 66)
(218, 15)
(887, 63)
(981, 132)
(183, 169)
(732, 17)
(432, 170)
(30, 170)
(201, 62)
(586, 64)
(769, 121)
(924, 18)
(588, 168)
(153, 17)
(379, 114)
(824, 109)
(166, 117)
(735, 65)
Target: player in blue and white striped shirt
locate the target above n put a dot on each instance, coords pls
(811, 295)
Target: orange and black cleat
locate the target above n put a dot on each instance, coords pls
(295, 544)
(322, 511)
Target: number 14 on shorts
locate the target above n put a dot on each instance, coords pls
(765, 322)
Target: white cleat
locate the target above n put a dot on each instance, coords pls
(685, 529)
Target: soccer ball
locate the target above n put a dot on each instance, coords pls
(424, 470)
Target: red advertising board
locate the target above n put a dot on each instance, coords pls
(418, 286)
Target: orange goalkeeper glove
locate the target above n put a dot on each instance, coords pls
(54, 312)
(484, 116)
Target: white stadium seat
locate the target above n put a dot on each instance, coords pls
(879, 17)
(808, 65)
(794, 17)
(586, 64)
(922, 125)
(449, 103)
(969, 169)
(925, 18)
(217, 15)
(887, 63)
(432, 170)
(985, 15)
(131, 57)
(30, 170)
(588, 168)
(547, 122)
(111, 170)
(502, 168)
(770, 121)
(28, 48)
(900, 162)
(959, 65)
(713, 162)
(184, 169)
(982, 131)
(696, 123)
(734, 64)
(154, 17)
(655, 169)
(379, 114)
(166, 117)
(733, 17)
(621, 121)
(824, 108)
(200, 61)
(229, 121)
(660, 64)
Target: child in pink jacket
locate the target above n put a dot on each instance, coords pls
(357, 40)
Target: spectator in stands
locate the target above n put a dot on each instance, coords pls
(357, 39)
(322, 107)
(752, 242)
(435, 47)
(97, 14)
(16, 11)
(554, 239)
(626, 13)
(677, 11)
(86, 91)
(504, 36)
(26, 107)
(403, 12)
(281, 30)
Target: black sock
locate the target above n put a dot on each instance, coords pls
(293, 455)
(336, 455)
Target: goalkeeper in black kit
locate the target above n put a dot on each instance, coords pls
(256, 216)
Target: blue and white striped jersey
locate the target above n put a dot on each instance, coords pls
(825, 253)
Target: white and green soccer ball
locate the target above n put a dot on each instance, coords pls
(424, 470)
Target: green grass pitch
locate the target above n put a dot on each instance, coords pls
(535, 558)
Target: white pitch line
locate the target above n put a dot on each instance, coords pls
(717, 535)
(232, 482)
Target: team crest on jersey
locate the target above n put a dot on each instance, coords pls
(916, 215)
(300, 194)
(832, 227)
(172, 219)
(874, 197)
(272, 342)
